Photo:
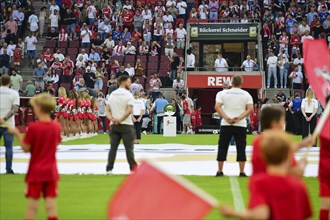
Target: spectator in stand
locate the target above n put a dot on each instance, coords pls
(178, 86)
(169, 46)
(248, 64)
(127, 17)
(58, 55)
(89, 78)
(144, 48)
(306, 36)
(17, 57)
(33, 21)
(99, 79)
(136, 35)
(80, 86)
(70, 20)
(272, 69)
(116, 35)
(57, 64)
(83, 54)
(80, 64)
(109, 43)
(18, 15)
(318, 30)
(122, 72)
(42, 61)
(303, 27)
(48, 55)
(326, 25)
(147, 31)
(190, 60)
(54, 20)
(181, 36)
(39, 74)
(30, 89)
(31, 42)
(136, 85)
(112, 84)
(298, 62)
(54, 7)
(11, 25)
(16, 81)
(4, 63)
(138, 21)
(158, 32)
(139, 68)
(63, 36)
(52, 77)
(130, 49)
(323, 14)
(220, 64)
(283, 64)
(85, 35)
(167, 19)
(295, 43)
(155, 84)
(175, 61)
(297, 78)
(119, 50)
(73, 36)
(105, 54)
(182, 8)
(94, 56)
(104, 29)
(284, 41)
(126, 35)
(130, 70)
(158, 107)
(91, 13)
(52, 34)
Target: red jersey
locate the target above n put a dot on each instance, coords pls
(258, 163)
(295, 41)
(186, 107)
(106, 12)
(43, 137)
(48, 56)
(126, 19)
(17, 56)
(324, 164)
(286, 197)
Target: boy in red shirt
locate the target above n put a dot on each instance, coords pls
(276, 194)
(41, 140)
(273, 118)
(17, 57)
(324, 174)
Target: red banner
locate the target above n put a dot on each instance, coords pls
(317, 65)
(150, 193)
(196, 81)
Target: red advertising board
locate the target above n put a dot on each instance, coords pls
(199, 81)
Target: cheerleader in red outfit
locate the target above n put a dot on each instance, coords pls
(93, 115)
(80, 115)
(61, 110)
(87, 108)
(72, 114)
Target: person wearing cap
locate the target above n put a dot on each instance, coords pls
(130, 49)
(9, 104)
(89, 78)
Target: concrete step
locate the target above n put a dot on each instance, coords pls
(169, 93)
(270, 93)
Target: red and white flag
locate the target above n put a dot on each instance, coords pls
(150, 193)
(317, 66)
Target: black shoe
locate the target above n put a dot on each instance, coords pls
(219, 174)
(10, 172)
(242, 175)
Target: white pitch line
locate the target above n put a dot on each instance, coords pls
(237, 195)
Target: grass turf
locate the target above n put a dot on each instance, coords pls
(157, 139)
(86, 197)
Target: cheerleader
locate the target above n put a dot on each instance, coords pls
(72, 114)
(61, 110)
(93, 115)
(87, 110)
(80, 115)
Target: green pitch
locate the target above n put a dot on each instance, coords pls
(86, 197)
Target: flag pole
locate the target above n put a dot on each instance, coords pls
(319, 126)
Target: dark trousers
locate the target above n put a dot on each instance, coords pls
(178, 124)
(154, 95)
(159, 123)
(8, 142)
(296, 85)
(104, 123)
(308, 127)
(226, 133)
(127, 134)
(297, 123)
(137, 126)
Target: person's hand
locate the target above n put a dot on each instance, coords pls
(13, 131)
(115, 121)
(308, 119)
(308, 141)
(138, 120)
(2, 121)
(292, 112)
(229, 120)
(303, 162)
(134, 120)
(226, 210)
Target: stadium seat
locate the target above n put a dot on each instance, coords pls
(86, 49)
(73, 51)
(55, 87)
(143, 58)
(62, 44)
(192, 21)
(153, 59)
(180, 52)
(130, 59)
(120, 59)
(62, 49)
(98, 50)
(73, 57)
(59, 72)
(74, 44)
(179, 20)
(50, 44)
(67, 86)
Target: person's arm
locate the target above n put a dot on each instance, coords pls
(25, 146)
(128, 112)
(261, 212)
(13, 110)
(218, 108)
(249, 109)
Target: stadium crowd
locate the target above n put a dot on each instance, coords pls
(89, 44)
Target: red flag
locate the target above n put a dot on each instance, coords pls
(150, 193)
(317, 66)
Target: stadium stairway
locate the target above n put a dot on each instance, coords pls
(168, 93)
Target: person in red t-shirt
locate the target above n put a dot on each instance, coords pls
(42, 175)
(48, 55)
(295, 43)
(186, 116)
(17, 57)
(127, 19)
(276, 194)
(273, 118)
(324, 176)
